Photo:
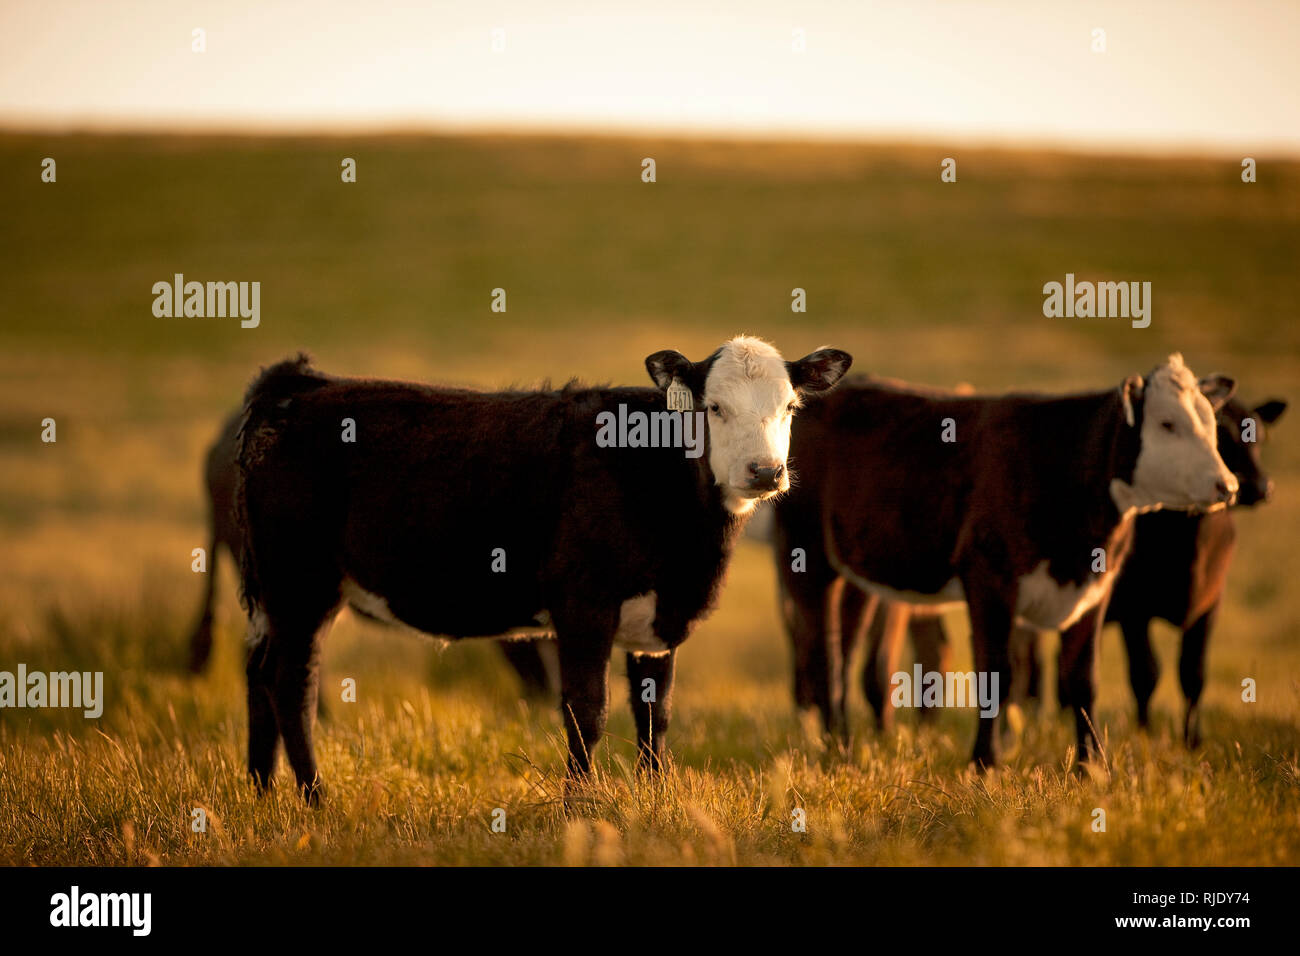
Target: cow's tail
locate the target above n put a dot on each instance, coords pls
(265, 403)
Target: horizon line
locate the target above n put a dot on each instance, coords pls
(1183, 148)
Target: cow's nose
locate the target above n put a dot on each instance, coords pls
(765, 476)
(1227, 493)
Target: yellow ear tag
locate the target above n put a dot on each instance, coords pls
(679, 397)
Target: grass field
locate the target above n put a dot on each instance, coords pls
(393, 276)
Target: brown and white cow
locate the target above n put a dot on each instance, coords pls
(1176, 571)
(462, 513)
(1022, 506)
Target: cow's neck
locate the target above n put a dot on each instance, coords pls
(1108, 451)
(686, 485)
(685, 506)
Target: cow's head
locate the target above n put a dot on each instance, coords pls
(1241, 430)
(749, 395)
(1178, 463)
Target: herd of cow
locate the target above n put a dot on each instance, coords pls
(461, 513)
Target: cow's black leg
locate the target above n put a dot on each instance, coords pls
(930, 641)
(991, 620)
(1022, 662)
(855, 613)
(263, 729)
(873, 627)
(586, 640)
(1143, 668)
(803, 602)
(1078, 664)
(1020, 656)
(201, 637)
(526, 659)
(812, 667)
(650, 688)
(297, 680)
(1191, 673)
(833, 705)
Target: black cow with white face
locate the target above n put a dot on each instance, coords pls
(463, 514)
(1179, 567)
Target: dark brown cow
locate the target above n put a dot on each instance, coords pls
(1018, 505)
(1176, 572)
(530, 659)
(463, 514)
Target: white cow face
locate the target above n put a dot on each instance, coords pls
(1178, 464)
(749, 395)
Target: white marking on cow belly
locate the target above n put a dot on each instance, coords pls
(529, 634)
(375, 606)
(543, 631)
(950, 595)
(1046, 603)
(636, 633)
(367, 603)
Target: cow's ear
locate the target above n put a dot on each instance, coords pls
(667, 365)
(819, 370)
(1131, 394)
(1218, 389)
(1270, 411)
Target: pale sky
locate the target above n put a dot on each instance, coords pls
(1216, 76)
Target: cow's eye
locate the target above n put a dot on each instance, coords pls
(1167, 426)
(789, 409)
(715, 408)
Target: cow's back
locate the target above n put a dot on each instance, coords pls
(442, 492)
(874, 476)
(909, 485)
